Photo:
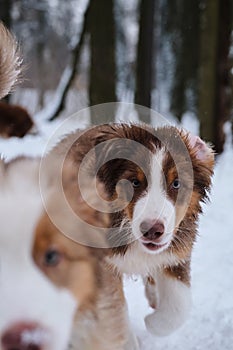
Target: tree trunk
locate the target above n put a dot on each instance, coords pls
(207, 70)
(5, 12)
(183, 29)
(57, 105)
(102, 85)
(224, 89)
(70, 71)
(214, 105)
(145, 56)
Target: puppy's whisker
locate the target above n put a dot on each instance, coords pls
(180, 243)
(124, 223)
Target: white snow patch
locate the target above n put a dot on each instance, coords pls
(191, 123)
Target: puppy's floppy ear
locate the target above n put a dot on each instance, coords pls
(202, 156)
(199, 150)
(202, 150)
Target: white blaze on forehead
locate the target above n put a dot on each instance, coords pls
(155, 205)
(26, 294)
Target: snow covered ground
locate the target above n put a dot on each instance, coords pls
(210, 325)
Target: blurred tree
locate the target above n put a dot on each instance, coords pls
(224, 87)
(145, 56)
(5, 12)
(207, 70)
(44, 48)
(69, 72)
(101, 26)
(182, 29)
(40, 47)
(126, 19)
(214, 72)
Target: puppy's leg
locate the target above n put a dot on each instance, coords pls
(133, 343)
(173, 303)
(114, 329)
(123, 337)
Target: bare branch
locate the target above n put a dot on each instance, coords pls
(52, 111)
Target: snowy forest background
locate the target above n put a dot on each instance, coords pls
(173, 56)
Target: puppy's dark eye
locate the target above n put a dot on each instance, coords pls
(52, 257)
(136, 183)
(176, 184)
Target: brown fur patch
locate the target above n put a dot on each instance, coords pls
(14, 121)
(78, 270)
(151, 280)
(180, 272)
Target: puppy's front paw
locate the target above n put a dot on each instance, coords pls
(159, 324)
(172, 312)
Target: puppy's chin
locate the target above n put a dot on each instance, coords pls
(149, 246)
(153, 248)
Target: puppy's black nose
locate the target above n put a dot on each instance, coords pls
(152, 231)
(18, 338)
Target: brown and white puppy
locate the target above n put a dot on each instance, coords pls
(156, 180)
(54, 291)
(14, 121)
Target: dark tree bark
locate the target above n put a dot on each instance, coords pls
(224, 88)
(40, 45)
(214, 75)
(101, 26)
(207, 71)
(145, 56)
(5, 12)
(183, 29)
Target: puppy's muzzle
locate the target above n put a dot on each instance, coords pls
(23, 336)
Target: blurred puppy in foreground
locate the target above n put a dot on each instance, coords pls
(55, 291)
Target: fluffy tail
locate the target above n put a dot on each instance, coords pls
(10, 61)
